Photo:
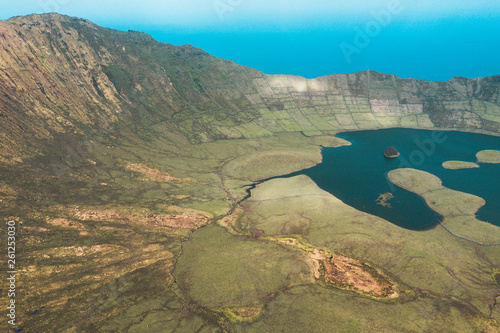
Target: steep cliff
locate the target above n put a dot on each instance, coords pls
(62, 76)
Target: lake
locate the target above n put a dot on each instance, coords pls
(357, 174)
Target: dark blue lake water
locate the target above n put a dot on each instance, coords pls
(357, 174)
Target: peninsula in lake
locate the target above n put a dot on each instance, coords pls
(142, 178)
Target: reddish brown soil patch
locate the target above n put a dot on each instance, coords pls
(183, 221)
(348, 273)
(179, 218)
(351, 273)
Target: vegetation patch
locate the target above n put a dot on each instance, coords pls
(230, 222)
(458, 165)
(240, 314)
(264, 164)
(488, 156)
(391, 152)
(416, 181)
(153, 174)
(496, 276)
(220, 270)
(384, 198)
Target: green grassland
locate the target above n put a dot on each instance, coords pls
(217, 269)
(441, 269)
(90, 222)
(148, 272)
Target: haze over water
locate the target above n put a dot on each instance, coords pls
(430, 50)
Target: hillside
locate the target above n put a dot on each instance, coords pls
(127, 167)
(62, 75)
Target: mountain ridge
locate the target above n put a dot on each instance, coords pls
(61, 74)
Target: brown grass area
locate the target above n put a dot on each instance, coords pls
(229, 221)
(69, 224)
(153, 174)
(488, 156)
(183, 221)
(177, 217)
(65, 223)
(65, 263)
(89, 215)
(6, 190)
(459, 165)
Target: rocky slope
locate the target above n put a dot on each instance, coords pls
(62, 76)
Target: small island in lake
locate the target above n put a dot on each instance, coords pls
(383, 198)
(459, 165)
(391, 152)
(488, 156)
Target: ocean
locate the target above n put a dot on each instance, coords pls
(431, 50)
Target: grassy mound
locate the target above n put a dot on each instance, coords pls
(488, 156)
(458, 165)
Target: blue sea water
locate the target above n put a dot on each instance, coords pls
(431, 50)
